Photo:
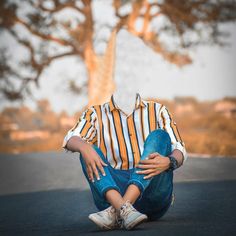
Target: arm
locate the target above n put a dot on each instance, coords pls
(77, 144)
(92, 159)
(167, 123)
(80, 139)
(85, 129)
(155, 164)
(178, 155)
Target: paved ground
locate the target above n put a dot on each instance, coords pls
(46, 194)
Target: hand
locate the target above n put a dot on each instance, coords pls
(93, 162)
(154, 164)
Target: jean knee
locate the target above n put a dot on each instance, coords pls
(159, 134)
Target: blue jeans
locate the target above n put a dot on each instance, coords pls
(156, 192)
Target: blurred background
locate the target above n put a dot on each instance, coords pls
(58, 57)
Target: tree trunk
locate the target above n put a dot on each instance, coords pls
(100, 69)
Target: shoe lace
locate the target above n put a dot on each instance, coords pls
(110, 211)
(126, 209)
(119, 221)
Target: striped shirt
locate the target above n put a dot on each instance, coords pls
(121, 137)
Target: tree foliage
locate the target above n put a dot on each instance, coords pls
(36, 26)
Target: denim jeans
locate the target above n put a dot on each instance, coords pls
(156, 192)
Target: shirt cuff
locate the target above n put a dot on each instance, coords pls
(180, 147)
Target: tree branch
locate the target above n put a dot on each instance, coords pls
(41, 35)
(59, 7)
(37, 66)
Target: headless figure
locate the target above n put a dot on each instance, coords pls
(125, 101)
(125, 92)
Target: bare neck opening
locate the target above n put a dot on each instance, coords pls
(126, 102)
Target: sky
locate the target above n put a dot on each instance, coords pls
(211, 76)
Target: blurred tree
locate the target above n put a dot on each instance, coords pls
(49, 38)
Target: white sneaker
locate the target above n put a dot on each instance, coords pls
(130, 216)
(106, 219)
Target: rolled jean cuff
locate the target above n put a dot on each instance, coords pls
(139, 185)
(105, 189)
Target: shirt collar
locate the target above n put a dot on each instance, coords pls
(138, 102)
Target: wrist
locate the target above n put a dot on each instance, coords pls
(86, 149)
(173, 163)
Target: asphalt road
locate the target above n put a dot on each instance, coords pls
(47, 194)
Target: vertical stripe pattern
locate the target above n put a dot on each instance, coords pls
(168, 124)
(121, 137)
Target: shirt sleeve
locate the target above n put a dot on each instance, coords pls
(168, 124)
(85, 128)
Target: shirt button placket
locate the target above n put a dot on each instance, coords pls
(130, 134)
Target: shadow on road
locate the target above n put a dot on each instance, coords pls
(200, 208)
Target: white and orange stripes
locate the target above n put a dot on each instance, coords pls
(121, 137)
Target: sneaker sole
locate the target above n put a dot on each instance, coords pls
(137, 222)
(99, 224)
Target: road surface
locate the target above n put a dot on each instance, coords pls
(47, 194)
